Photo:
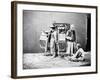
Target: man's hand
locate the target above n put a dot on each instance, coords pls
(69, 38)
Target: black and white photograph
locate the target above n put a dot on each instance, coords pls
(56, 39)
(53, 39)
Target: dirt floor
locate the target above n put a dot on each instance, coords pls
(39, 60)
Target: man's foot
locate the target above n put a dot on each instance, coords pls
(55, 55)
(70, 54)
(81, 59)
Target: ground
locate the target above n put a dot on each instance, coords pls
(39, 60)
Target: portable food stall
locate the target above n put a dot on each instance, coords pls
(62, 28)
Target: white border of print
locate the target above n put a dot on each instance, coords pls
(31, 72)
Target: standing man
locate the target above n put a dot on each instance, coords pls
(70, 38)
(53, 42)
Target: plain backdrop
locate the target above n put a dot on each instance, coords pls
(5, 41)
(37, 21)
